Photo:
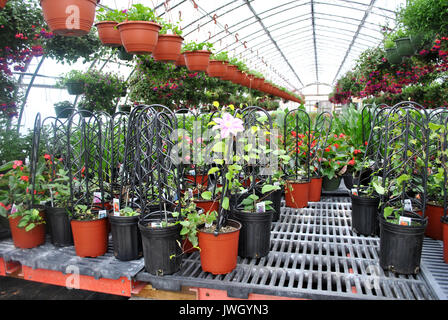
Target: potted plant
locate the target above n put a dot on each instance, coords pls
(161, 242)
(126, 235)
(255, 215)
(140, 30)
(107, 26)
(63, 109)
(74, 81)
(334, 162)
(169, 44)
(59, 16)
(58, 209)
(26, 222)
(90, 234)
(218, 65)
(197, 55)
(365, 208)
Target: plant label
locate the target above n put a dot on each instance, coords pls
(276, 183)
(97, 197)
(190, 193)
(407, 205)
(405, 221)
(116, 205)
(102, 214)
(261, 207)
(156, 224)
(13, 208)
(355, 192)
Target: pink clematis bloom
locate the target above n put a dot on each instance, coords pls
(228, 125)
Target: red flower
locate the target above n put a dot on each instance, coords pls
(336, 145)
(47, 157)
(17, 163)
(327, 149)
(366, 143)
(351, 162)
(25, 178)
(294, 134)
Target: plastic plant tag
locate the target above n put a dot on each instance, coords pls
(354, 191)
(276, 183)
(261, 207)
(407, 205)
(190, 193)
(13, 208)
(97, 197)
(102, 214)
(116, 205)
(156, 224)
(405, 221)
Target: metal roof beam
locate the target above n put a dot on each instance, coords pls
(273, 41)
(313, 24)
(366, 14)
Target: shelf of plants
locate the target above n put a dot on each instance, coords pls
(133, 196)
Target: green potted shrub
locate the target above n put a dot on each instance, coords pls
(63, 109)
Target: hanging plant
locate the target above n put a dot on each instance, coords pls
(169, 45)
(197, 55)
(107, 26)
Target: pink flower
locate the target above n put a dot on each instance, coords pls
(228, 125)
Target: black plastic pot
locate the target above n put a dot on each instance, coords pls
(255, 233)
(276, 198)
(126, 237)
(365, 215)
(350, 180)
(58, 226)
(161, 246)
(401, 246)
(331, 184)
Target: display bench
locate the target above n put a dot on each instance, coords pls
(314, 255)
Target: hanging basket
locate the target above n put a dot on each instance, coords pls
(139, 37)
(108, 33)
(180, 62)
(197, 60)
(404, 47)
(123, 55)
(75, 88)
(168, 47)
(69, 17)
(231, 73)
(392, 56)
(217, 69)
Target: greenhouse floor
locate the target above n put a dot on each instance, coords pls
(314, 255)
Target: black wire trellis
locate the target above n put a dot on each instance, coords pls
(151, 176)
(319, 137)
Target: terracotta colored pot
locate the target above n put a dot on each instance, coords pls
(59, 16)
(207, 206)
(199, 179)
(445, 240)
(197, 60)
(315, 189)
(257, 83)
(168, 47)
(139, 37)
(217, 69)
(231, 73)
(108, 34)
(3, 3)
(239, 77)
(298, 196)
(90, 237)
(181, 61)
(26, 239)
(434, 228)
(219, 253)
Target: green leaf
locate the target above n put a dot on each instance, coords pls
(213, 170)
(268, 188)
(225, 203)
(206, 195)
(219, 147)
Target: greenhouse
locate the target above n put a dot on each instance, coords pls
(224, 150)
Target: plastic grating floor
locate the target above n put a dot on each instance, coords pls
(314, 255)
(64, 259)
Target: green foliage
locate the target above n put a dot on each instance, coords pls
(110, 15)
(194, 46)
(13, 145)
(174, 28)
(139, 12)
(129, 212)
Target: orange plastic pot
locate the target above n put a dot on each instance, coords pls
(168, 47)
(231, 73)
(219, 253)
(26, 239)
(207, 206)
(217, 69)
(108, 34)
(90, 237)
(298, 196)
(139, 37)
(197, 60)
(445, 240)
(69, 17)
(315, 191)
(181, 61)
(434, 228)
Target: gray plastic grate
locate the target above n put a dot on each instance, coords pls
(434, 268)
(314, 254)
(53, 258)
